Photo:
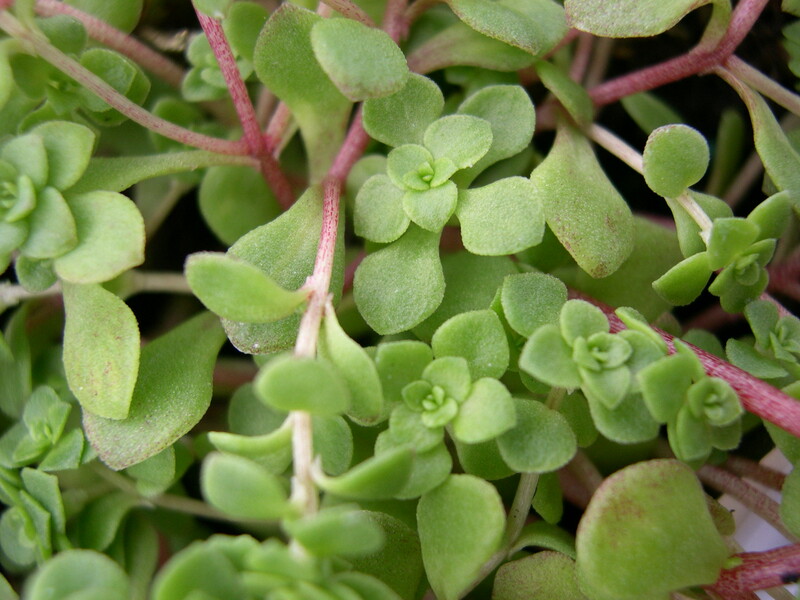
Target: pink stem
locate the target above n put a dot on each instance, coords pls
(759, 571)
(757, 397)
(696, 61)
(245, 110)
(277, 127)
(158, 64)
(351, 11)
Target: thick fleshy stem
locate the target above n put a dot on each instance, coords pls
(147, 58)
(753, 498)
(758, 397)
(696, 61)
(245, 110)
(759, 571)
(113, 98)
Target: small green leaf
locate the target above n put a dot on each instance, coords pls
(687, 229)
(747, 358)
(408, 160)
(460, 525)
(337, 531)
(675, 158)
(271, 450)
(234, 200)
(34, 275)
(535, 26)
(110, 238)
(579, 318)
(772, 215)
(664, 384)
(119, 72)
(28, 154)
(403, 117)
(649, 111)
(431, 208)
(122, 14)
(530, 300)
(501, 218)
(101, 350)
(362, 62)
(790, 502)
(548, 501)
(285, 250)
(413, 260)
(542, 576)
(629, 423)
(69, 148)
(647, 532)
(685, 281)
(309, 384)
(714, 400)
(477, 336)
(101, 519)
(486, 413)
(378, 213)
(588, 216)
(464, 139)
(510, 112)
(544, 535)
(628, 18)
(333, 442)
(547, 357)
(52, 227)
(79, 574)
(607, 386)
(242, 488)
(540, 442)
(285, 62)
(379, 477)
(569, 93)
(172, 393)
(238, 290)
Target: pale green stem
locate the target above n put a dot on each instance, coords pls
(763, 84)
(631, 157)
(585, 471)
(112, 97)
(555, 397)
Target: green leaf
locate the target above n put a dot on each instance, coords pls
(545, 535)
(101, 519)
(530, 300)
(119, 72)
(629, 423)
(487, 413)
(688, 230)
(110, 238)
(362, 62)
(464, 139)
(772, 215)
(714, 400)
(586, 213)
(399, 286)
(172, 393)
(400, 363)
(285, 250)
(28, 154)
(580, 319)
(628, 18)
(501, 218)
(607, 386)
(747, 358)
(548, 501)
(406, 427)
(242, 25)
(664, 384)
(406, 161)
(271, 450)
(101, 350)
(567, 91)
(477, 336)
(647, 532)
(337, 531)
(431, 208)
(535, 26)
(285, 62)
(6, 86)
(575, 409)
(509, 111)
(649, 111)
(238, 290)
(309, 384)
(366, 587)
(69, 147)
(547, 357)
(542, 576)
(79, 574)
(377, 478)
(685, 281)
(52, 227)
(34, 275)
(199, 571)
(540, 442)
(460, 526)
(241, 488)
(122, 14)
(333, 442)
(356, 368)
(675, 158)
(399, 562)
(403, 117)
(790, 502)
(234, 200)
(378, 213)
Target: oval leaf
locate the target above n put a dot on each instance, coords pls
(308, 384)
(377, 478)
(675, 158)
(628, 18)
(237, 290)
(461, 525)
(101, 350)
(172, 394)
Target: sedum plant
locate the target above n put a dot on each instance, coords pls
(372, 300)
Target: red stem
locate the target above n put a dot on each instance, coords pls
(147, 58)
(696, 61)
(759, 571)
(757, 397)
(245, 110)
